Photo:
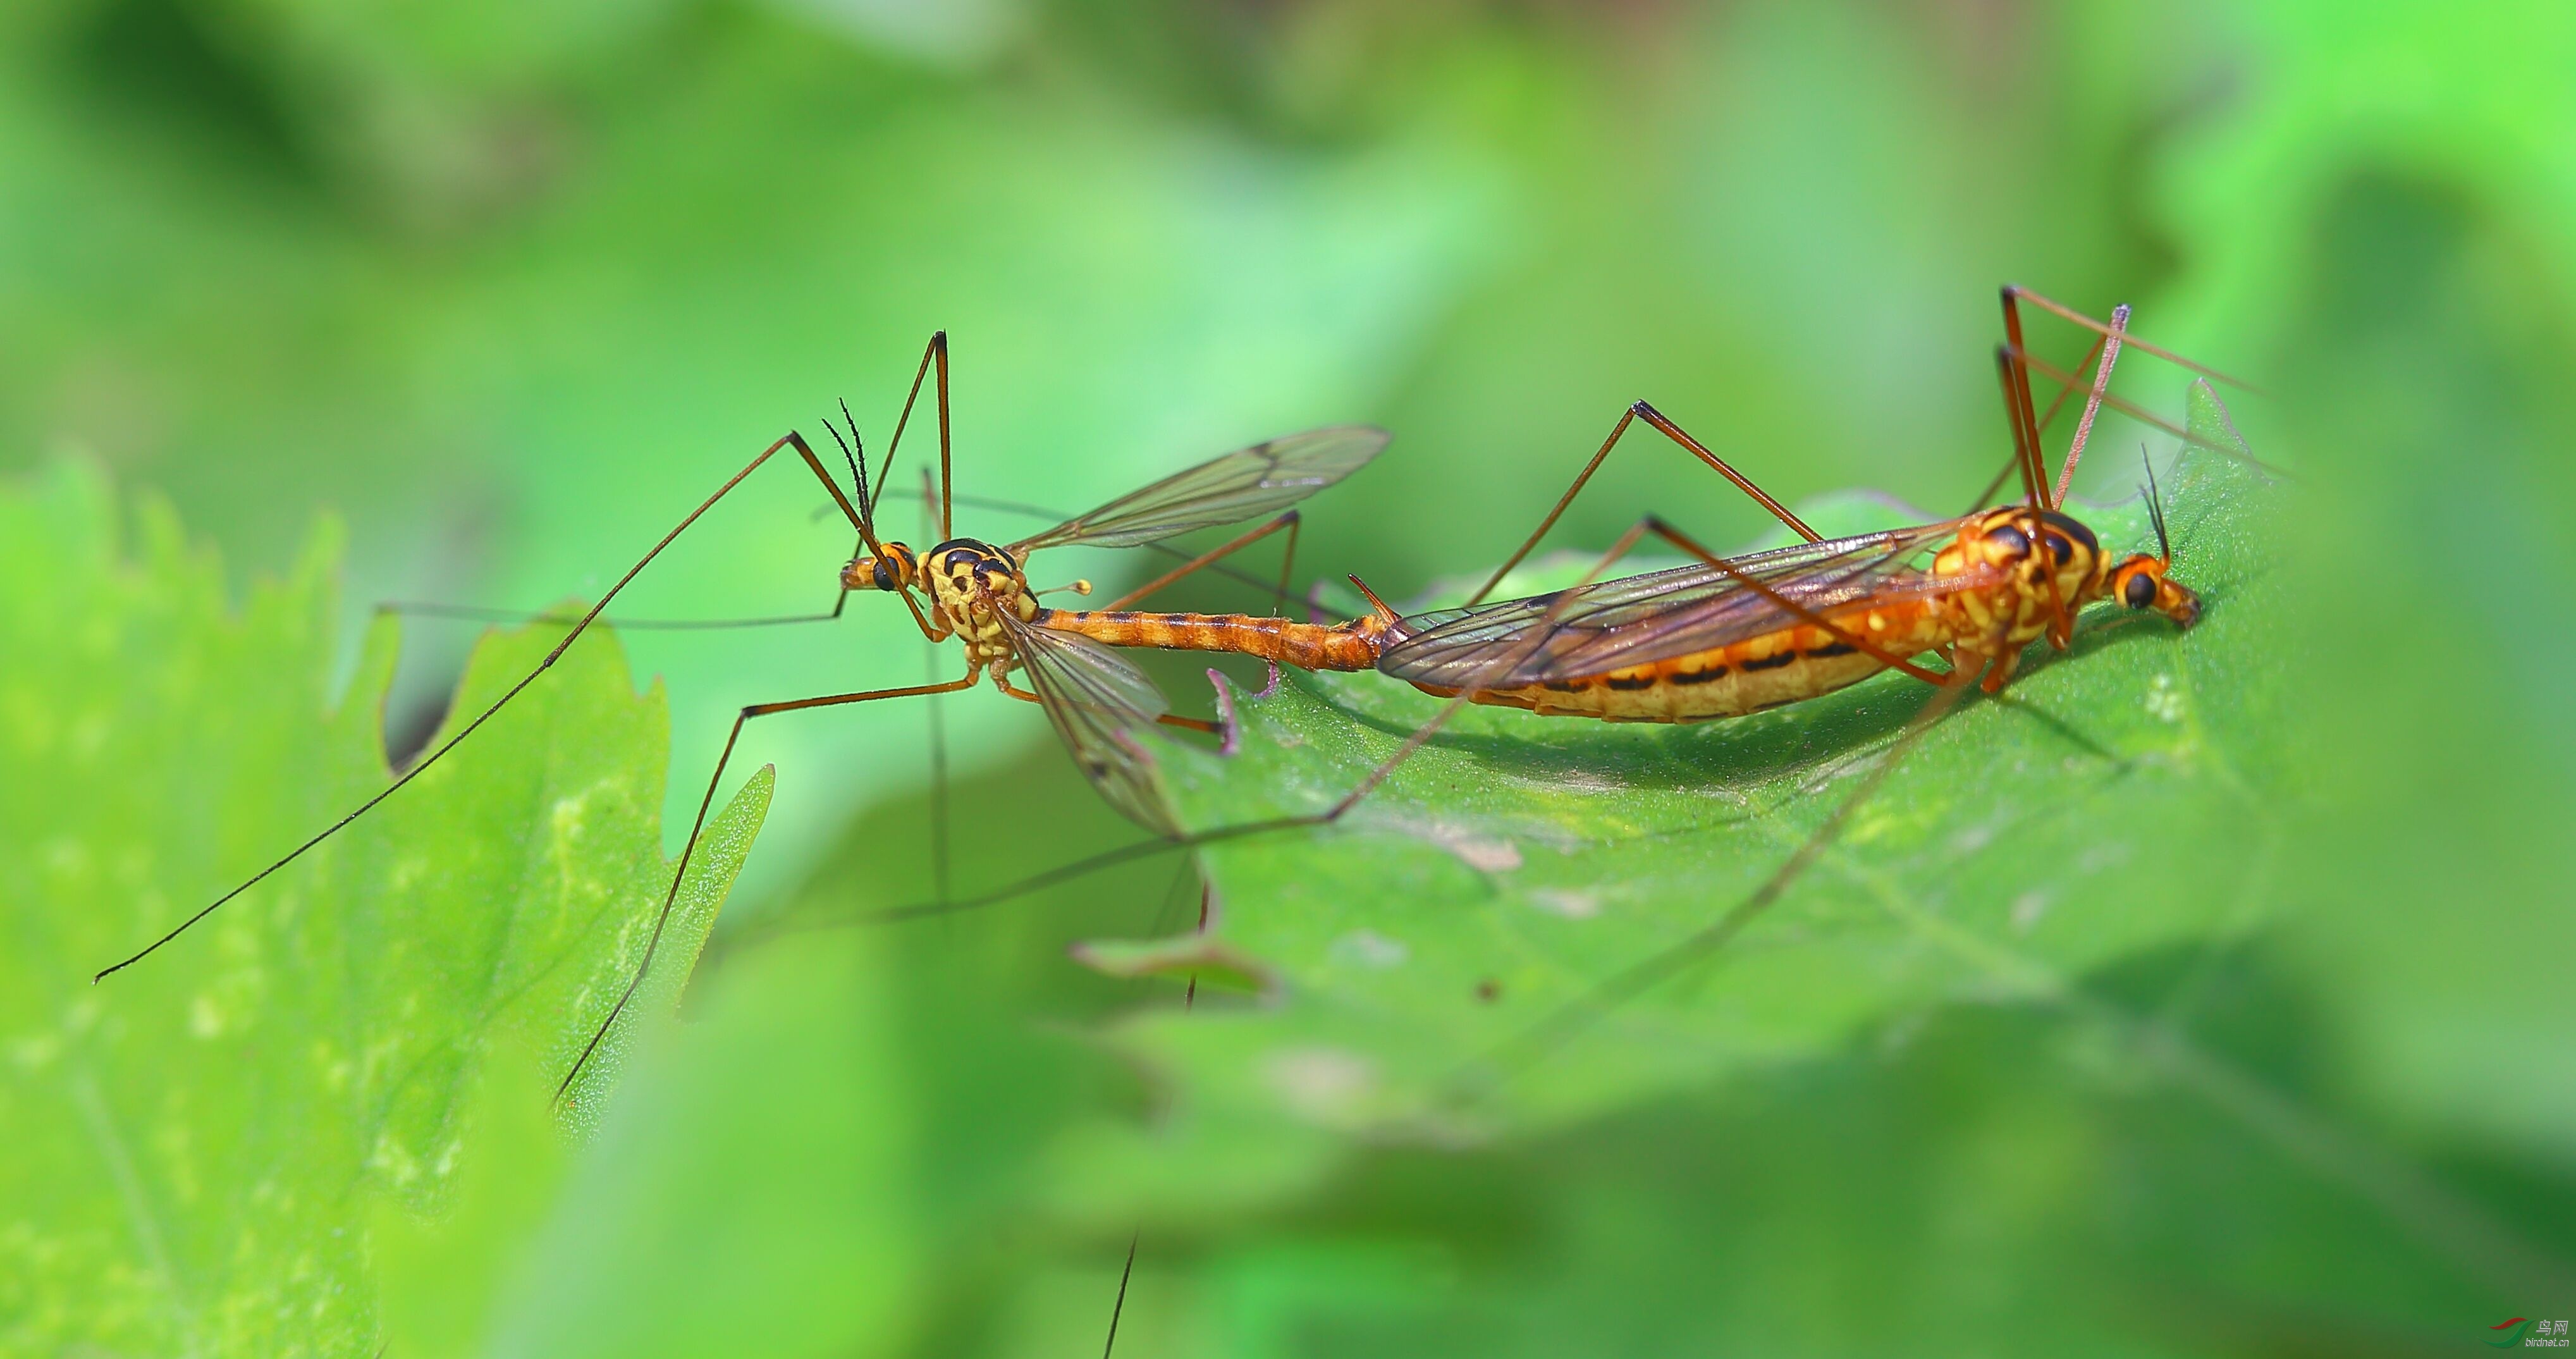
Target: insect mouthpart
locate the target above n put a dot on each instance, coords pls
(2141, 583)
(895, 568)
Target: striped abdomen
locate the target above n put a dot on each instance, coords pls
(1307, 646)
(1794, 663)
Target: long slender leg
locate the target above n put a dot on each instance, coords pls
(2015, 375)
(2065, 393)
(2015, 291)
(1287, 571)
(413, 608)
(2061, 621)
(2026, 423)
(937, 722)
(1846, 636)
(2026, 420)
(946, 529)
(934, 352)
(1189, 998)
(2016, 363)
(1640, 411)
(2005, 363)
(2110, 351)
(1117, 1308)
(2056, 403)
(2149, 418)
(662, 919)
(791, 440)
(1287, 520)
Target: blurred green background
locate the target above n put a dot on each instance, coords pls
(510, 286)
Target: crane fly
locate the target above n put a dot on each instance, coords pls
(979, 594)
(1725, 637)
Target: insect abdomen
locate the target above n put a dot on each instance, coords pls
(1307, 646)
(1795, 663)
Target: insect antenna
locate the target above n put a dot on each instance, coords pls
(857, 459)
(2156, 508)
(867, 514)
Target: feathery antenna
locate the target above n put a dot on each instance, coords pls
(2156, 508)
(854, 452)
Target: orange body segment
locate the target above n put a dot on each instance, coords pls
(1307, 646)
(1750, 676)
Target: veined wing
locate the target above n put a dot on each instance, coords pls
(1223, 490)
(1102, 707)
(1639, 620)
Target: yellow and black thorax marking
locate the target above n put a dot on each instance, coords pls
(2044, 565)
(970, 583)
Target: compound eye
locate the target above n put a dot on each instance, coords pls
(885, 574)
(2060, 549)
(2140, 592)
(2011, 539)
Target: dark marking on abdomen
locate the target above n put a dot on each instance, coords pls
(1700, 676)
(1831, 649)
(1770, 662)
(1632, 682)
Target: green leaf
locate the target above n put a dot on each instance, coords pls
(196, 1145)
(1454, 952)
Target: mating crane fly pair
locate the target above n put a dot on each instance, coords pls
(1717, 638)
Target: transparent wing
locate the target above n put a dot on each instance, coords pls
(1642, 619)
(1102, 707)
(1237, 486)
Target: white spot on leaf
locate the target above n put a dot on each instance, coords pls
(1485, 856)
(2027, 909)
(1572, 905)
(2164, 701)
(1368, 948)
(204, 1019)
(1320, 1083)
